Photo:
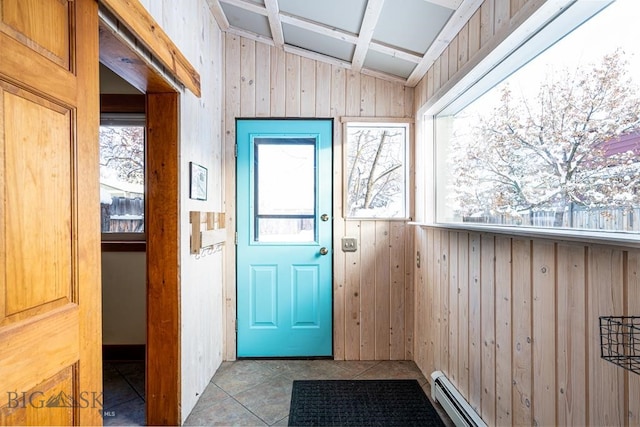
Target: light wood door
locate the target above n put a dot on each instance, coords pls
(50, 334)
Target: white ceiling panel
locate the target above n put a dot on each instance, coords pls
(395, 66)
(411, 24)
(316, 42)
(245, 20)
(340, 14)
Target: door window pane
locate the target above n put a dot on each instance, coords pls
(285, 183)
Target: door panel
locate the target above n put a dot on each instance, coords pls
(23, 20)
(284, 279)
(50, 358)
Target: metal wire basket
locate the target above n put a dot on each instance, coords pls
(620, 341)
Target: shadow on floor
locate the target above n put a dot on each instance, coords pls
(123, 384)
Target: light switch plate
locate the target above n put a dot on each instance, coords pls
(349, 244)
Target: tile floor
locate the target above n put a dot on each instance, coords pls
(245, 392)
(123, 392)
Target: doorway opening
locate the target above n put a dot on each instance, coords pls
(123, 255)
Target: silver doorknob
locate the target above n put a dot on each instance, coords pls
(324, 217)
(324, 251)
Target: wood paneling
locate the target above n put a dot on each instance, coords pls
(23, 21)
(486, 28)
(373, 287)
(537, 327)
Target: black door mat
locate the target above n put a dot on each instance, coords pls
(361, 403)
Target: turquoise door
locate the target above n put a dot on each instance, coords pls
(284, 267)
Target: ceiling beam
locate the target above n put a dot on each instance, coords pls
(395, 52)
(318, 28)
(316, 56)
(250, 35)
(218, 14)
(247, 5)
(458, 20)
(449, 4)
(371, 16)
(273, 14)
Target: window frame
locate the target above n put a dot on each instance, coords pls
(404, 122)
(550, 23)
(116, 241)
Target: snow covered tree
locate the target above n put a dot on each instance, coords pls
(552, 151)
(122, 150)
(375, 160)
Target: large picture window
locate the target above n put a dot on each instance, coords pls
(556, 143)
(376, 170)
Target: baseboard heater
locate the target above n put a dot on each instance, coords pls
(458, 409)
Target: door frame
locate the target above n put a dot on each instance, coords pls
(163, 376)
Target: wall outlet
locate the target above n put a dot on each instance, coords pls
(349, 244)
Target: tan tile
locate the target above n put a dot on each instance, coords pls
(242, 375)
(394, 370)
(211, 395)
(270, 400)
(227, 412)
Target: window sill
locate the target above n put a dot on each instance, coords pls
(589, 237)
(123, 246)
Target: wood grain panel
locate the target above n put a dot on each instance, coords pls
(633, 309)
(25, 407)
(247, 78)
(463, 313)
(443, 298)
(353, 295)
(475, 352)
(163, 281)
(488, 327)
(22, 20)
(521, 320)
(433, 295)
(307, 87)
(382, 325)
(544, 332)
(397, 291)
(44, 351)
(340, 291)
(367, 290)
(263, 80)
(454, 290)
(503, 368)
(605, 298)
(38, 144)
(571, 335)
(544, 364)
(231, 111)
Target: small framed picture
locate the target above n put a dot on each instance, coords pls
(197, 181)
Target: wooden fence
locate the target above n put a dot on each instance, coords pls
(122, 215)
(606, 219)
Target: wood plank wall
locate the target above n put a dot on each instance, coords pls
(514, 323)
(489, 26)
(373, 287)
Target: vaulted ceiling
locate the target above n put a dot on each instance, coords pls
(396, 40)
